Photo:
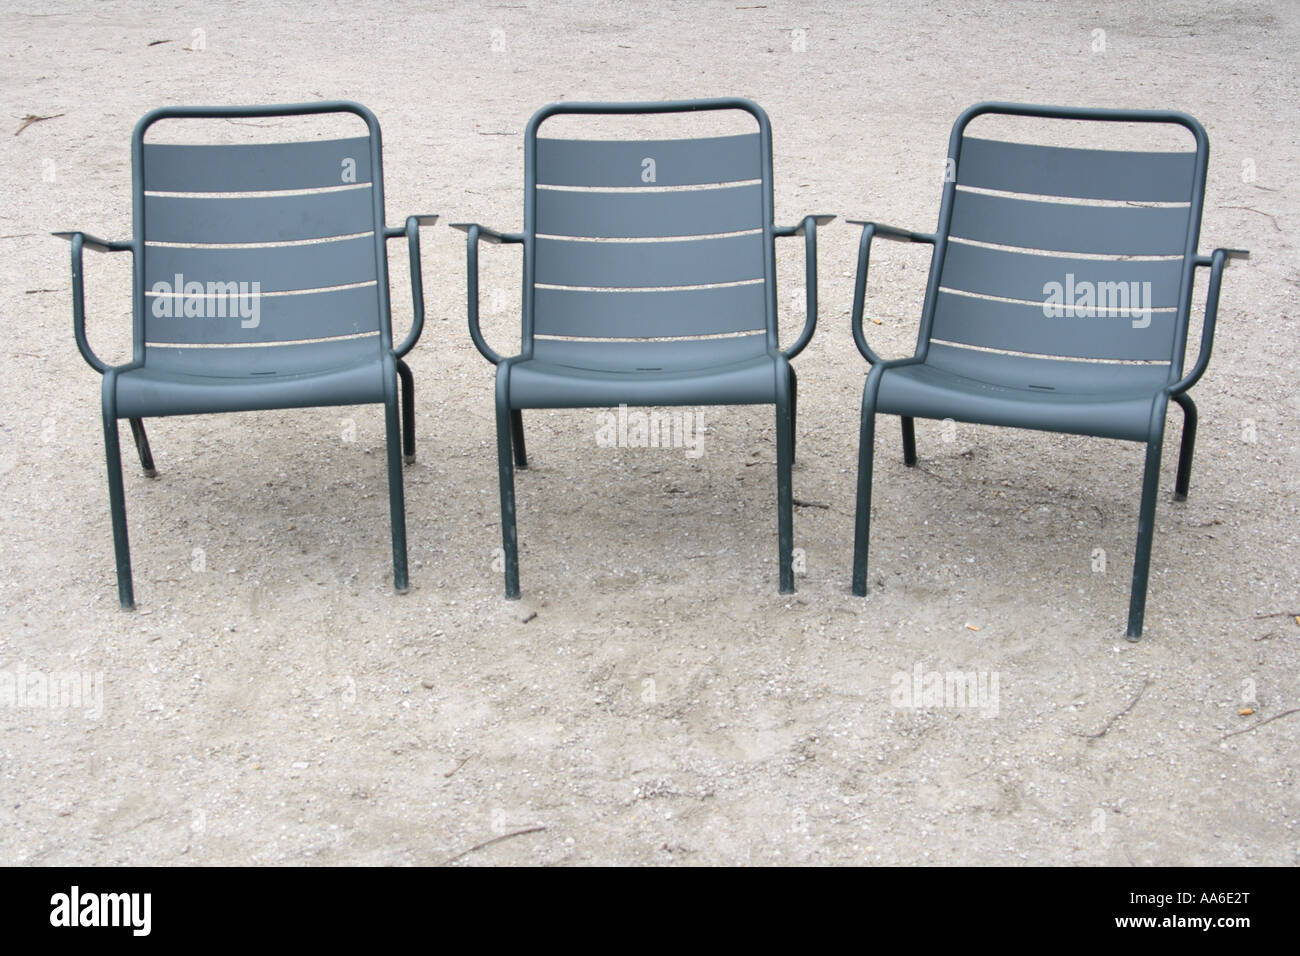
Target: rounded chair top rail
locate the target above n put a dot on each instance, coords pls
(647, 108)
(1095, 113)
(254, 112)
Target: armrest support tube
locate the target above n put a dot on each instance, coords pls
(473, 233)
(808, 227)
(79, 241)
(869, 231)
(412, 232)
(1216, 262)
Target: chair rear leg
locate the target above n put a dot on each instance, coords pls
(862, 518)
(1188, 446)
(408, 411)
(909, 441)
(517, 438)
(142, 447)
(396, 496)
(784, 490)
(506, 473)
(1146, 532)
(117, 505)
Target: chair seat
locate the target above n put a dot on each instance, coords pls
(565, 373)
(192, 381)
(1106, 400)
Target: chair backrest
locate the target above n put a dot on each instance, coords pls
(648, 238)
(259, 243)
(1067, 252)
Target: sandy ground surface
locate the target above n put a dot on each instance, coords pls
(653, 699)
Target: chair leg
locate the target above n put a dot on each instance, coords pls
(784, 489)
(506, 474)
(909, 441)
(142, 447)
(794, 415)
(1188, 446)
(866, 462)
(517, 438)
(1146, 532)
(408, 411)
(396, 496)
(117, 505)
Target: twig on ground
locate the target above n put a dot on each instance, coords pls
(1111, 723)
(487, 843)
(1268, 720)
(31, 118)
(452, 772)
(1259, 212)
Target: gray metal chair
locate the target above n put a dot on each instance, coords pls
(1015, 299)
(237, 305)
(687, 319)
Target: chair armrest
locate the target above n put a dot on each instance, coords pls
(396, 232)
(1217, 262)
(1229, 254)
(494, 236)
(475, 232)
(893, 232)
(820, 219)
(79, 241)
(95, 244)
(412, 232)
(869, 231)
(808, 229)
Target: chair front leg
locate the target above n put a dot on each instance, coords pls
(396, 495)
(794, 416)
(784, 489)
(866, 462)
(408, 411)
(117, 495)
(1146, 531)
(506, 475)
